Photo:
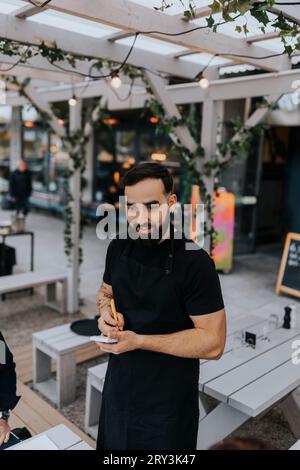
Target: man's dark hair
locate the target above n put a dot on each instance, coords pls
(148, 170)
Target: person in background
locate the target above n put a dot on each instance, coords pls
(8, 386)
(20, 188)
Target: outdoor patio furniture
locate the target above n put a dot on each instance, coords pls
(61, 436)
(62, 345)
(96, 376)
(245, 381)
(94, 389)
(49, 278)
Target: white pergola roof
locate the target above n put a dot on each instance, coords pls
(106, 28)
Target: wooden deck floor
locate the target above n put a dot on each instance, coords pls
(32, 411)
(38, 416)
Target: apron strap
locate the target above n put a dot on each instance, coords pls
(170, 256)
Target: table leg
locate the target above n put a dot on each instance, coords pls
(218, 424)
(64, 292)
(205, 406)
(51, 293)
(41, 365)
(32, 252)
(66, 379)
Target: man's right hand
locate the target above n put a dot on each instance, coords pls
(107, 323)
(4, 431)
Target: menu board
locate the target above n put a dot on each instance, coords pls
(289, 272)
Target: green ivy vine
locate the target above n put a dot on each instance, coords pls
(194, 174)
(230, 10)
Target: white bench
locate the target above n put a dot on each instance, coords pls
(94, 389)
(60, 344)
(49, 278)
(61, 436)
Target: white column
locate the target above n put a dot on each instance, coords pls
(89, 170)
(73, 272)
(212, 118)
(16, 137)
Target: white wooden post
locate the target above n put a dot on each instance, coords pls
(212, 117)
(88, 174)
(73, 271)
(16, 137)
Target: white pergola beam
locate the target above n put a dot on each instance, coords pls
(224, 89)
(236, 88)
(26, 11)
(177, 55)
(159, 90)
(29, 32)
(117, 36)
(131, 17)
(292, 12)
(262, 37)
(199, 12)
(254, 119)
(40, 103)
(24, 71)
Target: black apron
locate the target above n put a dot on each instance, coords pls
(150, 399)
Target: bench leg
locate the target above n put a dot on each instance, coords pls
(92, 408)
(66, 379)
(205, 406)
(51, 293)
(63, 302)
(41, 366)
(218, 424)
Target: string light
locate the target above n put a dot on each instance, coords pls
(73, 101)
(203, 82)
(115, 81)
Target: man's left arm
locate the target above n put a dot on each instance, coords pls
(205, 341)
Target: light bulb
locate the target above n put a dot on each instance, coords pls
(203, 82)
(115, 82)
(73, 101)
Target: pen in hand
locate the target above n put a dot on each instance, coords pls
(114, 312)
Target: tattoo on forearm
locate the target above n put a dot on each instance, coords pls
(104, 297)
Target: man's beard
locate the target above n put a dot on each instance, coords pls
(146, 240)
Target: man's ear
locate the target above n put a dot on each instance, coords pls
(172, 199)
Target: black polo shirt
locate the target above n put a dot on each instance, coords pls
(194, 271)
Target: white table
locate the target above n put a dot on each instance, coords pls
(62, 437)
(245, 381)
(61, 344)
(295, 446)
